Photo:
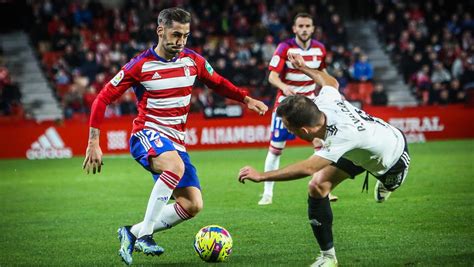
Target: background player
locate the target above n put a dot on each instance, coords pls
(291, 81)
(162, 78)
(353, 142)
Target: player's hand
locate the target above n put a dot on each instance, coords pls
(296, 60)
(256, 105)
(93, 161)
(287, 91)
(249, 173)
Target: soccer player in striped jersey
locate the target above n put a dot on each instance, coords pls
(291, 81)
(162, 78)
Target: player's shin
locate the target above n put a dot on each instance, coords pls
(159, 197)
(320, 218)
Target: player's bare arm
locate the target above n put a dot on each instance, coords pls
(255, 105)
(274, 79)
(320, 77)
(291, 172)
(93, 161)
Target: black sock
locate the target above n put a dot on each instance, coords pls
(320, 218)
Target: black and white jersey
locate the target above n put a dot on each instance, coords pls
(351, 133)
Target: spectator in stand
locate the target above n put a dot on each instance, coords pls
(422, 82)
(89, 67)
(89, 97)
(435, 94)
(268, 48)
(456, 93)
(127, 105)
(440, 73)
(379, 96)
(10, 97)
(362, 69)
(72, 101)
(443, 97)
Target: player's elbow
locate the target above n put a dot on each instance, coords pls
(332, 82)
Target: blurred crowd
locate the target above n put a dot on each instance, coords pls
(432, 43)
(10, 94)
(83, 44)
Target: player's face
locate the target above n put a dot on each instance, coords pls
(303, 29)
(173, 39)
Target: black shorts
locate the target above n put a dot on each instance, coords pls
(392, 179)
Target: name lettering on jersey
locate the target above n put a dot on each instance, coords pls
(209, 68)
(331, 130)
(357, 122)
(156, 76)
(118, 78)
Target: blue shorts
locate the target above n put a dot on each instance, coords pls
(148, 143)
(279, 131)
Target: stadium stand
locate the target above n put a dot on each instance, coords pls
(81, 45)
(431, 42)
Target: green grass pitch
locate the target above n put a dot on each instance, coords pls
(51, 213)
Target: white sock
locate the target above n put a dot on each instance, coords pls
(159, 197)
(330, 252)
(272, 162)
(171, 215)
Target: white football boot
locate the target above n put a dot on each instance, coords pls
(266, 200)
(380, 192)
(325, 261)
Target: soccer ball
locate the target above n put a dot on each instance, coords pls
(213, 243)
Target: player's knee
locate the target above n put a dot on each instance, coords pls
(316, 188)
(194, 208)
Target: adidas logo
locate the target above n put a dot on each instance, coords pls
(49, 146)
(156, 76)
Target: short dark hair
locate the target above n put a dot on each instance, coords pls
(299, 111)
(302, 15)
(167, 16)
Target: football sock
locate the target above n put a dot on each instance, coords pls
(272, 162)
(171, 215)
(159, 197)
(320, 218)
(330, 252)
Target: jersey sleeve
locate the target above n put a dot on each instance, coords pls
(334, 147)
(216, 82)
(127, 77)
(277, 63)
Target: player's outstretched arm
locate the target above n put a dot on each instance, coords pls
(93, 161)
(255, 105)
(320, 77)
(291, 172)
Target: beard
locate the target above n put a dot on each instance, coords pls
(172, 49)
(302, 38)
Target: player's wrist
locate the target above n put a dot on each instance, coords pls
(247, 99)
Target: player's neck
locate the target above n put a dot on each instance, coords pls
(321, 133)
(302, 44)
(163, 54)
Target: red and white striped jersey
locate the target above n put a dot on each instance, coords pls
(302, 84)
(163, 89)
